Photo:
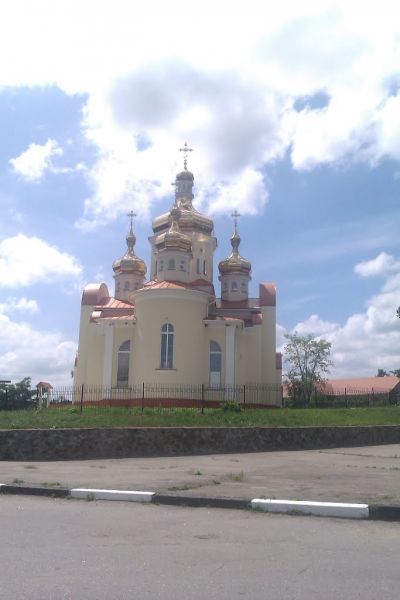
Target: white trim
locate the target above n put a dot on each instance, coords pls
(108, 354)
(230, 355)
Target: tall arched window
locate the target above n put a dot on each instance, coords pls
(215, 363)
(124, 353)
(167, 346)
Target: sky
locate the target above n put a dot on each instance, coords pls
(293, 112)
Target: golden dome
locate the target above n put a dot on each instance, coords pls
(130, 263)
(235, 263)
(174, 239)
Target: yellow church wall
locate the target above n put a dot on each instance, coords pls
(185, 310)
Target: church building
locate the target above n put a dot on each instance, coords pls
(172, 328)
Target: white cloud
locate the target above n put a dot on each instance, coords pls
(143, 102)
(23, 305)
(33, 163)
(27, 260)
(382, 265)
(368, 340)
(28, 352)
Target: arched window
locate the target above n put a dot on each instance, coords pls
(215, 363)
(117, 287)
(234, 286)
(171, 264)
(167, 346)
(126, 286)
(124, 353)
(243, 286)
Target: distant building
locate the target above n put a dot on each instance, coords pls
(173, 329)
(357, 386)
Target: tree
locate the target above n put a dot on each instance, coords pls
(398, 312)
(17, 396)
(396, 373)
(308, 360)
(382, 373)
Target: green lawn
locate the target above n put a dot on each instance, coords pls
(123, 417)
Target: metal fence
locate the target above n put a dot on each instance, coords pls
(151, 395)
(349, 398)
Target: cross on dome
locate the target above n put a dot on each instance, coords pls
(185, 149)
(235, 216)
(132, 215)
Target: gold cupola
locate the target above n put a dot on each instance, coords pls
(235, 271)
(129, 270)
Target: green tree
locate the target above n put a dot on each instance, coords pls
(382, 373)
(19, 395)
(396, 373)
(309, 361)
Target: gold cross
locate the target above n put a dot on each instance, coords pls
(132, 215)
(235, 215)
(185, 149)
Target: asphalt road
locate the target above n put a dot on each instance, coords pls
(69, 549)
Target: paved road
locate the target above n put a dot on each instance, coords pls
(69, 549)
(368, 474)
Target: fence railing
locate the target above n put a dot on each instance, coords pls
(150, 395)
(348, 398)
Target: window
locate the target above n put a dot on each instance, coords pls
(197, 265)
(243, 286)
(183, 265)
(171, 264)
(161, 267)
(117, 286)
(126, 286)
(155, 267)
(234, 286)
(124, 353)
(167, 346)
(204, 267)
(215, 363)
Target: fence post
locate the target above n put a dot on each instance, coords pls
(142, 396)
(244, 395)
(202, 398)
(345, 397)
(82, 398)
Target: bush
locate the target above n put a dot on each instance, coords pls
(231, 406)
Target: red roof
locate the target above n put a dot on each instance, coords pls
(360, 385)
(109, 302)
(44, 385)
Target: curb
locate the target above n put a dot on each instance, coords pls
(124, 495)
(376, 512)
(31, 490)
(320, 509)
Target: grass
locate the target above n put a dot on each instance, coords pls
(152, 417)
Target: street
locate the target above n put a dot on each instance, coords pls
(70, 549)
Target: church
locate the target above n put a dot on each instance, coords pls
(172, 328)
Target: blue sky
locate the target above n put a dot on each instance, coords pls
(294, 120)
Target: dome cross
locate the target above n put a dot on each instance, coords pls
(185, 149)
(235, 216)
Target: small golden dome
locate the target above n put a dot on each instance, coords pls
(174, 239)
(130, 263)
(235, 263)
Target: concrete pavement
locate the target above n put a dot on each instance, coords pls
(368, 474)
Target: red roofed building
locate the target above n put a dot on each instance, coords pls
(172, 328)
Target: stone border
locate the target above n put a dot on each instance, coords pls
(291, 507)
(97, 443)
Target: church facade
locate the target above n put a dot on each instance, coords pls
(172, 328)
